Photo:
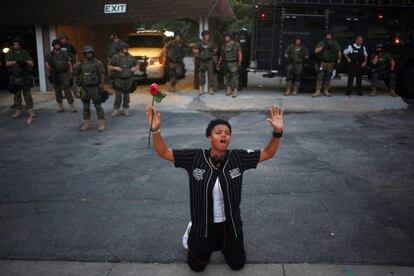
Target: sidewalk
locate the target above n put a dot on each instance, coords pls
(52, 268)
(251, 99)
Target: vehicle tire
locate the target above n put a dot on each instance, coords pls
(405, 87)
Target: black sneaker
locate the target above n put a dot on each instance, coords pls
(360, 94)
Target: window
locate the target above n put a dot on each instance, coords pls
(146, 41)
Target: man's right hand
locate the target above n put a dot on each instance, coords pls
(154, 118)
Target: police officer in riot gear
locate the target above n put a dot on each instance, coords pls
(89, 74)
(60, 71)
(114, 47)
(19, 63)
(123, 65)
(244, 40)
(206, 49)
(175, 61)
(383, 66)
(231, 57)
(70, 50)
(295, 54)
(356, 55)
(329, 53)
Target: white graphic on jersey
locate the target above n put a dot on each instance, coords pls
(234, 173)
(198, 174)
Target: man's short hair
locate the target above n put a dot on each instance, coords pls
(214, 123)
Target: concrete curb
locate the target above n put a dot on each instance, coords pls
(60, 268)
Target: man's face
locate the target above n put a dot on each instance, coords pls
(298, 42)
(125, 51)
(227, 38)
(64, 40)
(16, 45)
(57, 46)
(379, 50)
(328, 36)
(206, 37)
(220, 137)
(177, 38)
(116, 39)
(359, 41)
(89, 55)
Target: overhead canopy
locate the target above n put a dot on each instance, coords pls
(80, 12)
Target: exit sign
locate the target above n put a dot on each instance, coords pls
(115, 8)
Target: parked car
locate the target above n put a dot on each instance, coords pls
(148, 46)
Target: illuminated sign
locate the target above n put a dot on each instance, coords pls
(115, 8)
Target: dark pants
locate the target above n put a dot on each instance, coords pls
(63, 83)
(220, 238)
(206, 66)
(384, 75)
(175, 71)
(355, 70)
(93, 94)
(243, 77)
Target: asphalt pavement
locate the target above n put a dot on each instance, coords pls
(340, 190)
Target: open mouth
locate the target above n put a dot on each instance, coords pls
(223, 141)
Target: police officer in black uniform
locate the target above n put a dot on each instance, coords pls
(244, 40)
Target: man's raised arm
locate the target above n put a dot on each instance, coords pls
(154, 121)
(276, 121)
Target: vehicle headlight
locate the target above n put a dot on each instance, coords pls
(156, 61)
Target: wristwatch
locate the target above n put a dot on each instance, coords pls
(277, 134)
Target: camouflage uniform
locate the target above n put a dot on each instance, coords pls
(328, 56)
(19, 78)
(88, 75)
(381, 70)
(175, 63)
(123, 81)
(206, 55)
(296, 56)
(70, 50)
(60, 75)
(113, 50)
(230, 55)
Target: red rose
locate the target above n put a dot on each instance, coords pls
(153, 89)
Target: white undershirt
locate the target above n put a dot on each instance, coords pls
(219, 215)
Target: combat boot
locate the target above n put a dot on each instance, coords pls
(295, 89)
(228, 91)
(86, 125)
(72, 108)
(326, 92)
(115, 112)
(317, 93)
(60, 107)
(126, 112)
(235, 93)
(287, 92)
(17, 113)
(201, 90)
(373, 92)
(31, 112)
(101, 125)
(210, 91)
(392, 93)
